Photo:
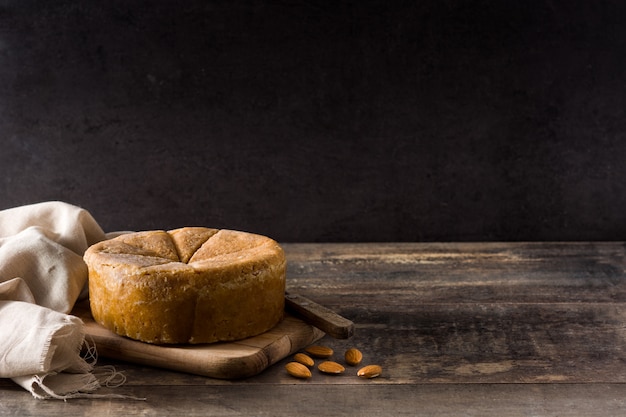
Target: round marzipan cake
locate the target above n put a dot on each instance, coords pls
(189, 285)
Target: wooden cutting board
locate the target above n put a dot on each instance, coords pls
(232, 360)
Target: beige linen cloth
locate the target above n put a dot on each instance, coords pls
(42, 275)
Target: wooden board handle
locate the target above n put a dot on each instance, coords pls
(319, 316)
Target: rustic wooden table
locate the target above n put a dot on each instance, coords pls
(472, 329)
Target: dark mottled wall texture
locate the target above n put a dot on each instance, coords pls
(321, 121)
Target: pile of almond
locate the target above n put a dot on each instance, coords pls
(302, 362)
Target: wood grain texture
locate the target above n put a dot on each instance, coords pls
(321, 317)
(478, 312)
(288, 400)
(475, 329)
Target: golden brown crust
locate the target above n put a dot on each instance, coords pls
(189, 285)
(189, 239)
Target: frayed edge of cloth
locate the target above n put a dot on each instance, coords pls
(56, 385)
(104, 376)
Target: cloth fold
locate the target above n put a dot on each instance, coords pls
(42, 275)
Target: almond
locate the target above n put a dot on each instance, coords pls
(303, 359)
(330, 367)
(353, 356)
(319, 351)
(298, 370)
(370, 371)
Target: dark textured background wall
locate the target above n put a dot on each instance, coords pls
(321, 121)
